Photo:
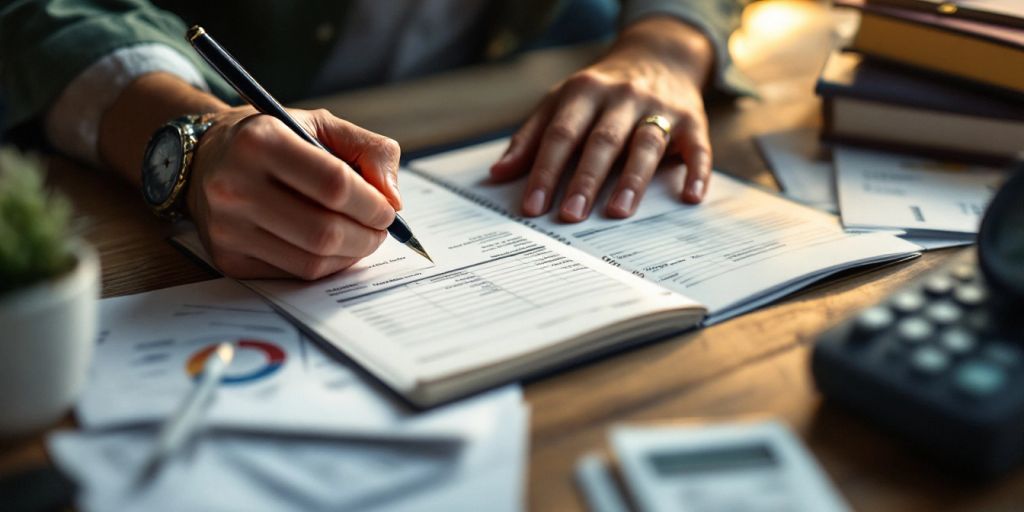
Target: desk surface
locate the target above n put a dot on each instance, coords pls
(755, 364)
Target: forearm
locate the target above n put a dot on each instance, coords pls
(670, 42)
(143, 106)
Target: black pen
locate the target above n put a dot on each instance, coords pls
(254, 94)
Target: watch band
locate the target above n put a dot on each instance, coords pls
(191, 128)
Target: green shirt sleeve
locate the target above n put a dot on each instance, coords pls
(46, 44)
(717, 19)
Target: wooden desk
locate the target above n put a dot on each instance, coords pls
(753, 364)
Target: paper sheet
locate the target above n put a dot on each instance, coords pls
(801, 166)
(152, 344)
(738, 248)
(922, 197)
(232, 472)
(804, 169)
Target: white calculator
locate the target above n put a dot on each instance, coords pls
(739, 467)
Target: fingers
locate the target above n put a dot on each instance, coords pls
(253, 252)
(240, 266)
(312, 228)
(604, 145)
(375, 156)
(523, 144)
(693, 144)
(315, 174)
(562, 136)
(647, 148)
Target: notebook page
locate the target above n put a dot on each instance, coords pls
(498, 290)
(737, 250)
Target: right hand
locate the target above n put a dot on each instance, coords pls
(268, 204)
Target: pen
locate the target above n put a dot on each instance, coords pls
(180, 427)
(254, 94)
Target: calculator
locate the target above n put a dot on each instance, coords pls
(941, 361)
(750, 466)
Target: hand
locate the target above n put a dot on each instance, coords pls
(268, 204)
(657, 67)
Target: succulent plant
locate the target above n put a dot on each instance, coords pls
(34, 224)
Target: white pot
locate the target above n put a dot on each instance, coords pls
(47, 333)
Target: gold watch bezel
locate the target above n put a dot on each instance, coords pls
(189, 129)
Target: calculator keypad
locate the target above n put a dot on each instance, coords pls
(939, 330)
(940, 362)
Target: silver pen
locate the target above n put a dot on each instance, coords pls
(182, 425)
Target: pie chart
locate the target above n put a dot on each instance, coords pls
(272, 358)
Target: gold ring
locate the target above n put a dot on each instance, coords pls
(661, 122)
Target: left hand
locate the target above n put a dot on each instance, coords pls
(657, 67)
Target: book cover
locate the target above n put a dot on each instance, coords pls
(849, 74)
(1009, 36)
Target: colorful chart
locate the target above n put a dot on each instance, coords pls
(273, 361)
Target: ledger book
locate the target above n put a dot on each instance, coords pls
(511, 297)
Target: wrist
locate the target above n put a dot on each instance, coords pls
(145, 105)
(667, 41)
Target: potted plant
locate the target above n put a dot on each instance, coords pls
(49, 288)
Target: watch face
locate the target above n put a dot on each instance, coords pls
(162, 165)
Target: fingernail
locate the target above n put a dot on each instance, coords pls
(534, 204)
(623, 201)
(698, 188)
(393, 183)
(574, 206)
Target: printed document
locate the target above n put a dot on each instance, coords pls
(511, 297)
(922, 197)
(741, 247)
(152, 346)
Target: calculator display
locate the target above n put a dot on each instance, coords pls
(713, 460)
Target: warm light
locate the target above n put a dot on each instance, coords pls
(766, 19)
(769, 22)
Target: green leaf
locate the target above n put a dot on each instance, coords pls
(34, 224)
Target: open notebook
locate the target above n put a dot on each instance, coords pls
(510, 298)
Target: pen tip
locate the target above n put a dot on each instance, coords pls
(415, 245)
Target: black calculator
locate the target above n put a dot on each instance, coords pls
(941, 361)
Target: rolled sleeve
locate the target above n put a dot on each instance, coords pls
(72, 123)
(45, 45)
(717, 19)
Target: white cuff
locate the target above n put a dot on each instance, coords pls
(73, 121)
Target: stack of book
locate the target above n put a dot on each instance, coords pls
(933, 77)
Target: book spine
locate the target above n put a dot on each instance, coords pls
(490, 205)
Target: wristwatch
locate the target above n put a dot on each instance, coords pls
(168, 163)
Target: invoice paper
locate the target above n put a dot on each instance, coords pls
(922, 197)
(803, 167)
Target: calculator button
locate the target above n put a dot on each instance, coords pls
(914, 329)
(908, 302)
(979, 378)
(1002, 353)
(944, 313)
(963, 272)
(969, 295)
(929, 361)
(938, 285)
(875, 319)
(958, 341)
